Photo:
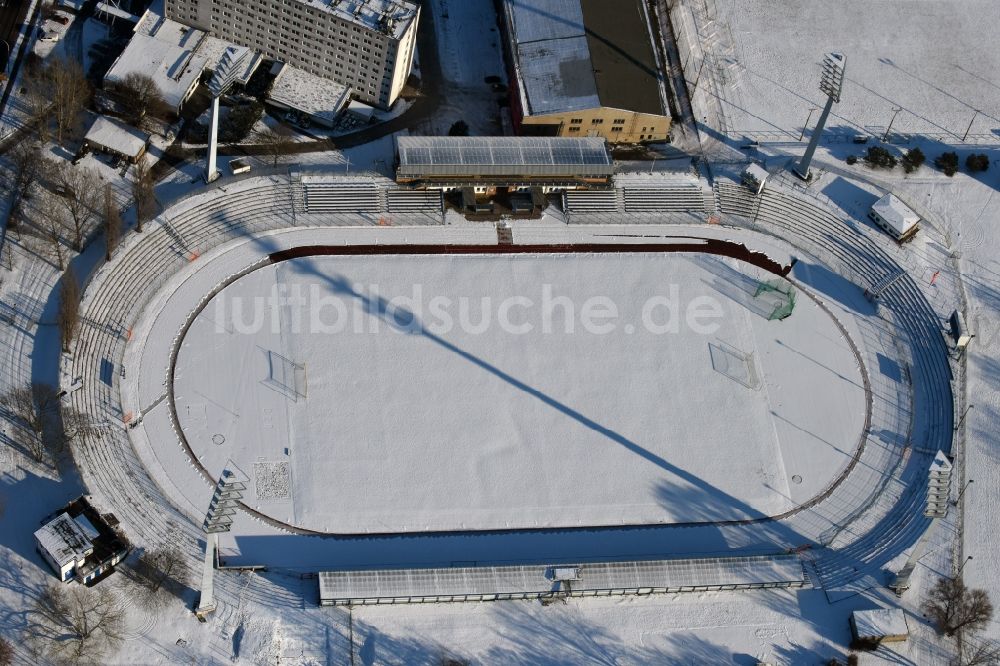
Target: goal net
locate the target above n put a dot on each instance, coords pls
(779, 297)
(286, 376)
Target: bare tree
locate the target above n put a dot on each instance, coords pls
(6, 652)
(30, 408)
(38, 100)
(142, 193)
(275, 142)
(59, 92)
(953, 607)
(79, 191)
(160, 574)
(69, 308)
(52, 225)
(30, 405)
(112, 223)
(980, 652)
(70, 95)
(140, 98)
(26, 163)
(76, 624)
(74, 425)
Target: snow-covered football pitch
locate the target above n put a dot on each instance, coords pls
(436, 393)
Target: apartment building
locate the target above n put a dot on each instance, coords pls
(366, 45)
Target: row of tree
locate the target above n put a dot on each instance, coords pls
(878, 157)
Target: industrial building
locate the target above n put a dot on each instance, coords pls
(366, 45)
(585, 68)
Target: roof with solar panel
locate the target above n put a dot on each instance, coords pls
(501, 156)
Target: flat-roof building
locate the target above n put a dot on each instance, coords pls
(895, 217)
(79, 543)
(366, 45)
(107, 135)
(585, 68)
(167, 53)
(317, 99)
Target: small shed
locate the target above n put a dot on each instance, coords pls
(116, 138)
(894, 217)
(959, 331)
(754, 177)
(239, 165)
(881, 625)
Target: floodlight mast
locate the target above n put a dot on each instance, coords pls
(831, 84)
(219, 518)
(225, 75)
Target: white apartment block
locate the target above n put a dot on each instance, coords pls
(364, 44)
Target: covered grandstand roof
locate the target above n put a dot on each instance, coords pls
(572, 55)
(502, 156)
(539, 581)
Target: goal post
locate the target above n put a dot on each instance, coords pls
(778, 293)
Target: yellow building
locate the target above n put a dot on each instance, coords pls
(585, 68)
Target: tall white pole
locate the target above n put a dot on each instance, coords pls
(206, 603)
(211, 172)
(831, 84)
(802, 170)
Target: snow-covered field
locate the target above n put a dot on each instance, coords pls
(935, 61)
(489, 391)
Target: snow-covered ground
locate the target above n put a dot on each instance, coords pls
(292, 367)
(262, 618)
(934, 61)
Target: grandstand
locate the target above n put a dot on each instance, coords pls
(496, 583)
(863, 517)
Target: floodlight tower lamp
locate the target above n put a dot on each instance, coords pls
(226, 74)
(831, 84)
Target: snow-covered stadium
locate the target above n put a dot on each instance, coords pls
(761, 404)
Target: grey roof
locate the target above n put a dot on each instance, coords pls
(572, 55)
(319, 97)
(558, 75)
(64, 540)
(502, 156)
(880, 622)
(539, 580)
(117, 136)
(536, 20)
